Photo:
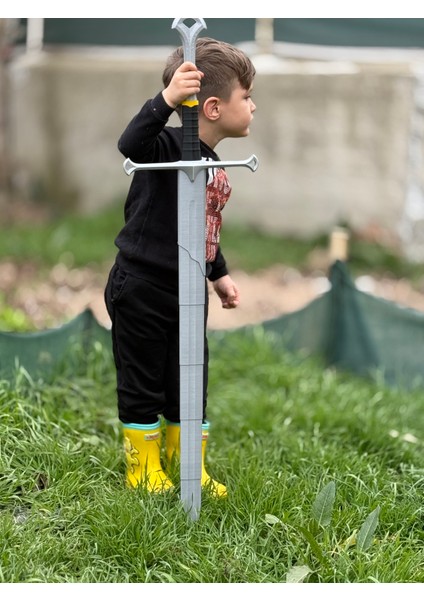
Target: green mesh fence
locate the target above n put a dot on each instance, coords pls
(43, 353)
(346, 328)
(357, 332)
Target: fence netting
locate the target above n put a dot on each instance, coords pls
(345, 327)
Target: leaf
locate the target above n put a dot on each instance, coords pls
(272, 519)
(298, 574)
(365, 534)
(322, 508)
(313, 544)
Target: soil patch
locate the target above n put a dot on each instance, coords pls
(52, 298)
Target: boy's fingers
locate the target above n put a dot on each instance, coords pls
(187, 67)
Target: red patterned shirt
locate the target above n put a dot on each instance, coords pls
(218, 190)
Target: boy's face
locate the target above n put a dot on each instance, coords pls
(236, 114)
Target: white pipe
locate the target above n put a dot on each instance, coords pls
(35, 35)
(264, 35)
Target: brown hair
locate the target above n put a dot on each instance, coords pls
(223, 65)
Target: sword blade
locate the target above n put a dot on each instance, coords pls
(191, 274)
(192, 286)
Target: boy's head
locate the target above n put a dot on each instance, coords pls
(224, 66)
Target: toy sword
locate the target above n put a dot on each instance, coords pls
(191, 276)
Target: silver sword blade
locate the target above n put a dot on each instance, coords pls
(191, 269)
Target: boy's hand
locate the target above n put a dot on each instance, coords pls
(184, 83)
(227, 291)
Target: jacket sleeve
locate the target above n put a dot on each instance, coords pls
(217, 268)
(139, 141)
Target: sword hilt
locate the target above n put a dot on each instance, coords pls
(190, 106)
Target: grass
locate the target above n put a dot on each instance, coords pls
(88, 240)
(77, 240)
(325, 471)
(306, 453)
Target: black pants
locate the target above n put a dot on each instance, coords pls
(145, 337)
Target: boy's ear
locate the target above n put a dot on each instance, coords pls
(211, 108)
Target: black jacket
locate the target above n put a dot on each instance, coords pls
(148, 241)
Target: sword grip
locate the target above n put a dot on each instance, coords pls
(190, 107)
(190, 121)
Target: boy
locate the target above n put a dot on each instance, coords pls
(142, 290)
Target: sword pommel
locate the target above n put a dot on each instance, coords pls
(189, 35)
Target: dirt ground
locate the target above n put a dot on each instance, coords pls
(53, 298)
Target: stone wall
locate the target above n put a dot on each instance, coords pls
(334, 139)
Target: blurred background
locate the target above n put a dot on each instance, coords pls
(338, 130)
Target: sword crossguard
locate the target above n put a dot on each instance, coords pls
(190, 167)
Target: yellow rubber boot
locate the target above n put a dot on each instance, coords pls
(173, 453)
(142, 445)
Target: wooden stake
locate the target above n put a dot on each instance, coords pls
(339, 244)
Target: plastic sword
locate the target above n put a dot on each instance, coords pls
(191, 276)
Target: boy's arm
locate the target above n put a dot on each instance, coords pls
(222, 282)
(138, 141)
(217, 268)
(140, 136)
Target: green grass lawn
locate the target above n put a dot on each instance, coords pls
(325, 470)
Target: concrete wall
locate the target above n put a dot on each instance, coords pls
(334, 139)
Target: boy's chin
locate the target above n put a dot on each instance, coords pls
(241, 134)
